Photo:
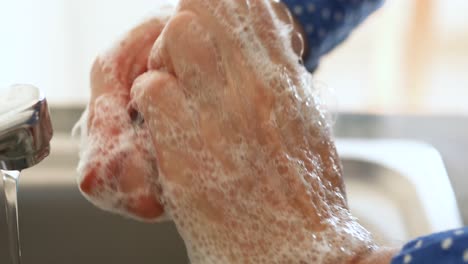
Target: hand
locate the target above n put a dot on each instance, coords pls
(117, 167)
(247, 168)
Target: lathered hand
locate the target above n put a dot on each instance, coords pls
(247, 168)
(118, 170)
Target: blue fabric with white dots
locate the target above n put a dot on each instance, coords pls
(328, 22)
(450, 247)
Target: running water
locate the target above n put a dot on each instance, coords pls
(10, 190)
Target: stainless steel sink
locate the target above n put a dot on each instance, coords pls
(59, 226)
(387, 203)
(399, 189)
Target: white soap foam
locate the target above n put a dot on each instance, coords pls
(106, 155)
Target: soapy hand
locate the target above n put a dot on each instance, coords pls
(209, 118)
(117, 170)
(247, 168)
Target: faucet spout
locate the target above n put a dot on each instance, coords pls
(25, 128)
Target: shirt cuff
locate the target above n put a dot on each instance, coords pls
(450, 247)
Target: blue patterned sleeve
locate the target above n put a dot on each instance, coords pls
(328, 22)
(450, 247)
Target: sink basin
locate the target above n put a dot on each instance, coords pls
(384, 202)
(59, 226)
(399, 189)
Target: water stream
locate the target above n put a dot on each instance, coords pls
(10, 190)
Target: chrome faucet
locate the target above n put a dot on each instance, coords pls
(25, 130)
(25, 134)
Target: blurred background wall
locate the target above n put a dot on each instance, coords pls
(409, 57)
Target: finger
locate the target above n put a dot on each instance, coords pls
(273, 32)
(117, 69)
(159, 95)
(119, 183)
(187, 49)
(117, 166)
(160, 99)
(190, 51)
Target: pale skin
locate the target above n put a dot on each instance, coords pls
(203, 103)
